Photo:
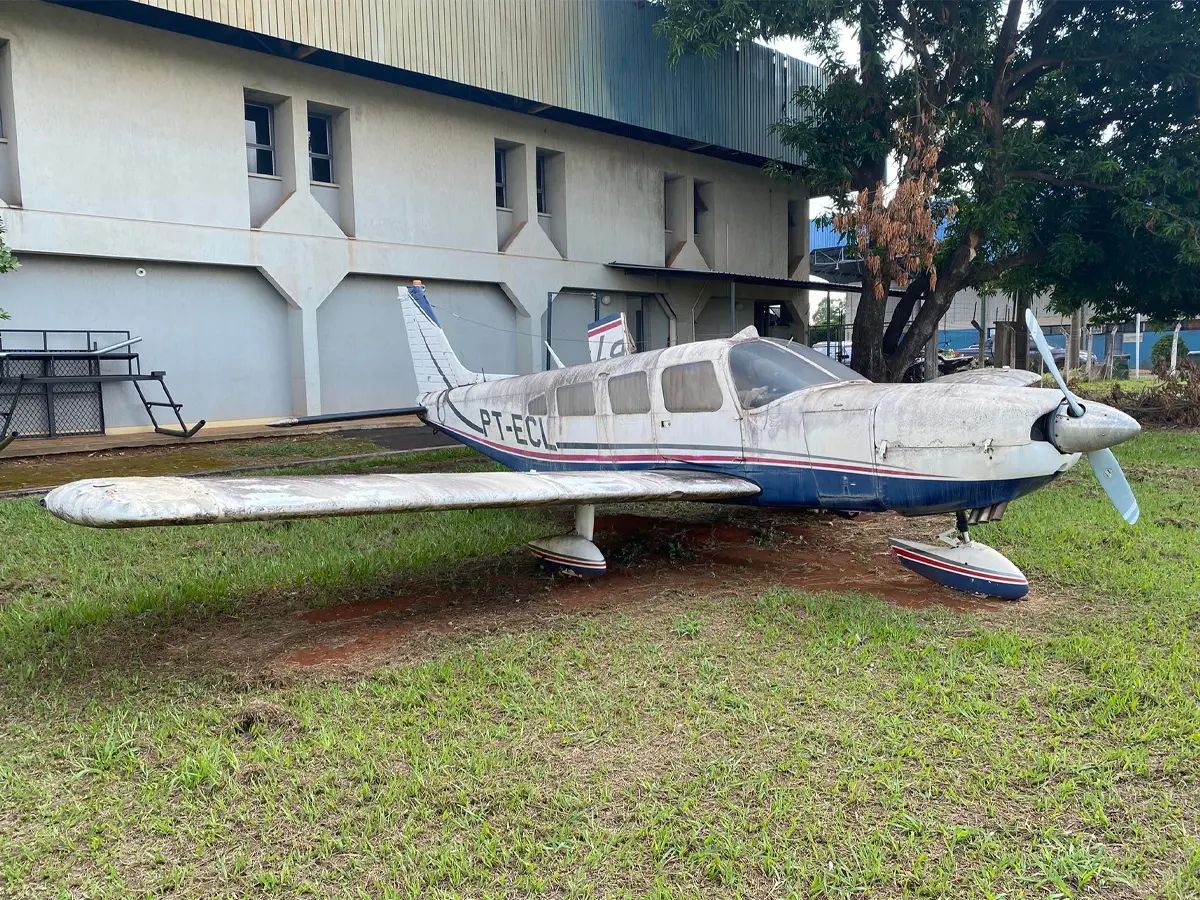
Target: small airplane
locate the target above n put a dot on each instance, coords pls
(742, 420)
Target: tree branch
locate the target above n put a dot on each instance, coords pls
(1039, 29)
(892, 8)
(991, 271)
(1064, 182)
(1006, 43)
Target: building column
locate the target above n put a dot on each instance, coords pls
(306, 361)
(305, 276)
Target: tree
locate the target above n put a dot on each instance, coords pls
(1063, 138)
(1160, 353)
(8, 263)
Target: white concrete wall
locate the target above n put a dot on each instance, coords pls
(220, 333)
(131, 147)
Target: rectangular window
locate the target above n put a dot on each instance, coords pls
(3, 85)
(537, 406)
(629, 395)
(575, 399)
(260, 139)
(320, 149)
(701, 206)
(691, 387)
(543, 206)
(501, 179)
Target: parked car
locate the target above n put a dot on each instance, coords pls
(1059, 353)
(948, 360)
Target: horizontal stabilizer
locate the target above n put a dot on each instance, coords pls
(134, 502)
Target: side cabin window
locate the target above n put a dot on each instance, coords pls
(691, 387)
(629, 395)
(538, 406)
(575, 399)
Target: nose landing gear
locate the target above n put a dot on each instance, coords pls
(963, 564)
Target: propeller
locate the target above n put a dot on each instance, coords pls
(1103, 462)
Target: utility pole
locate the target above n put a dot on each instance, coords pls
(1020, 331)
(983, 331)
(1072, 358)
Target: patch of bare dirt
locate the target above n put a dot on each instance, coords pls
(651, 560)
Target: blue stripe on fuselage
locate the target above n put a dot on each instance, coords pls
(787, 485)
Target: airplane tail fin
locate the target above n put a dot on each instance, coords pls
(610, 338)
(434, 362)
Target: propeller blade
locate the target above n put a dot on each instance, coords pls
(1035, 332)
(1112, 479)
(1104, 463)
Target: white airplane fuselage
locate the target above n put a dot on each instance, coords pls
(841, 445)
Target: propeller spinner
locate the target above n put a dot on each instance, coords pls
(1078, 430)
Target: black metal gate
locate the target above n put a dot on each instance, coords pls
(52, 410)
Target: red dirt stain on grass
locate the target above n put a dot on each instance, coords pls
(367, 642)
(649, 559)
(349, 611)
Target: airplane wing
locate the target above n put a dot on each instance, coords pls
(164, 500)
(996, 377)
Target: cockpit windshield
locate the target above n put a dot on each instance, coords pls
(764, 370)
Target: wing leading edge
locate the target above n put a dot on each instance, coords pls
(136, 502)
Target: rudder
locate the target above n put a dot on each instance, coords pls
(435, 364)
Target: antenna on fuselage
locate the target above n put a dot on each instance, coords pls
(558, 362)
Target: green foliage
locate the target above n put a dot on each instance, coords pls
(1161, 351)
(829, 324)
(1071, 141)
(8, 262)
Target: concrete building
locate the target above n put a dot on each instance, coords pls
(245, 183)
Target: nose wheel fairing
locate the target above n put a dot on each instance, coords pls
(971, 567)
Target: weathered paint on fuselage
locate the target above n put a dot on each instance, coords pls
(848, 445)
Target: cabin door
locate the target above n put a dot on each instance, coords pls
(841, 447)
(695, 418)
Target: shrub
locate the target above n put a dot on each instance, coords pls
(1161, 351)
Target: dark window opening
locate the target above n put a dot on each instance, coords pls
(501, 179)
(543, 206)
(701, 207)
(320, 151)
(260, 139)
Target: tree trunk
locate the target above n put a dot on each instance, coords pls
(925, 325)
(867, 357)
(917, 288)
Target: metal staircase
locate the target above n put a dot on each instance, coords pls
(49, 391)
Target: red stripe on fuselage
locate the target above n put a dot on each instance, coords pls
(569, 457)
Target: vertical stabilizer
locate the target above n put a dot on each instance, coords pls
(610, 338)
(434, 362)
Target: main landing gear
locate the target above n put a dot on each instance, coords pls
(575, 553)
(964, 564)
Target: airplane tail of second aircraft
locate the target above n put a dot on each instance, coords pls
(435, 363)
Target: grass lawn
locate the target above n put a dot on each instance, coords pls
(22, 473)
(768, 744)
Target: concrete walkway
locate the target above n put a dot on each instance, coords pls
(393, 430)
